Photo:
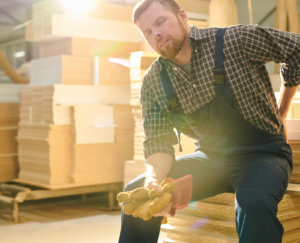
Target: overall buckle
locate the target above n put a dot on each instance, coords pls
(219, 76)
(173, 101)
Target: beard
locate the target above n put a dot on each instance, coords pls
(170, 51)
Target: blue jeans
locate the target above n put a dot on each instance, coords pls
(259, 181)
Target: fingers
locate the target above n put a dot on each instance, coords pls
(153, 184)
(164, 211)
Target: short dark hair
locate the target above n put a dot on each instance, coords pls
(144, 4)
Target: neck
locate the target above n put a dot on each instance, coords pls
(184, 56)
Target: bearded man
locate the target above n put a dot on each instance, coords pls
(212, 85)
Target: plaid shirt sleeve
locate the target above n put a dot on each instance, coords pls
(158, 126)
(262, 45)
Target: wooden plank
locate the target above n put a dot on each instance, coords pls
(65, 191)
(56, 187)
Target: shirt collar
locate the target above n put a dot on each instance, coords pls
(194, 36)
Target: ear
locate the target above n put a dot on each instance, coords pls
(182, 15)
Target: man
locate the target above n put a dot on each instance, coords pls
(212, 85)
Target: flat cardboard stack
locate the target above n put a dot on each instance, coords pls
(213, 220)
(87, 47)
(44, 154)
(100, 149)
(79, 70)
(105, 22)
(53, 139)
(295, 176)
(9, 93)
(9, 117)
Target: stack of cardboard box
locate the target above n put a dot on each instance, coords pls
(8, 145)
(74, 134)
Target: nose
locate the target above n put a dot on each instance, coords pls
(157, 35)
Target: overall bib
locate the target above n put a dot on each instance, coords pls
(232, 155)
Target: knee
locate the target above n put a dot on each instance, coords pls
(136, 183)
(255, 201)
(129, 187)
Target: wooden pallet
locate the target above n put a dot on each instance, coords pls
(22, 192)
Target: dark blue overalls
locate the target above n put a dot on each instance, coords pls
(232, 156)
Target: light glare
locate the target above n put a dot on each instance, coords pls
(19, 54)
(77, 5)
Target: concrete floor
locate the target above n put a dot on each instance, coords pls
(71, 222)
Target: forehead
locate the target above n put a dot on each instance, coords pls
(153, 12)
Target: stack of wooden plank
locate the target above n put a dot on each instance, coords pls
(63, 127)
(9, 118)
(213, 220)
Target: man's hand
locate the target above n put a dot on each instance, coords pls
(165, 211)
(152, 183)
(158, 167)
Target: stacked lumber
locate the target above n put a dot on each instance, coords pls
(8, 145)
(47, 144)
(213, 220)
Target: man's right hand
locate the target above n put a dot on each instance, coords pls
(152, 183)
(158, 167)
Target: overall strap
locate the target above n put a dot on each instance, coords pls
(219, 66)
(173, 104)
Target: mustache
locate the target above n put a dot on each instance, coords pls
(159, 40)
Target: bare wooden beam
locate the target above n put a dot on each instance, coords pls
(250, 11)
(9, 16)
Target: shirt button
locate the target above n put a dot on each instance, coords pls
(194, 85)
(175, 68)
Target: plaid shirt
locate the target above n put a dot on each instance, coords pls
(246, 50)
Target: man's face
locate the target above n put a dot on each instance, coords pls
(162, 29)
